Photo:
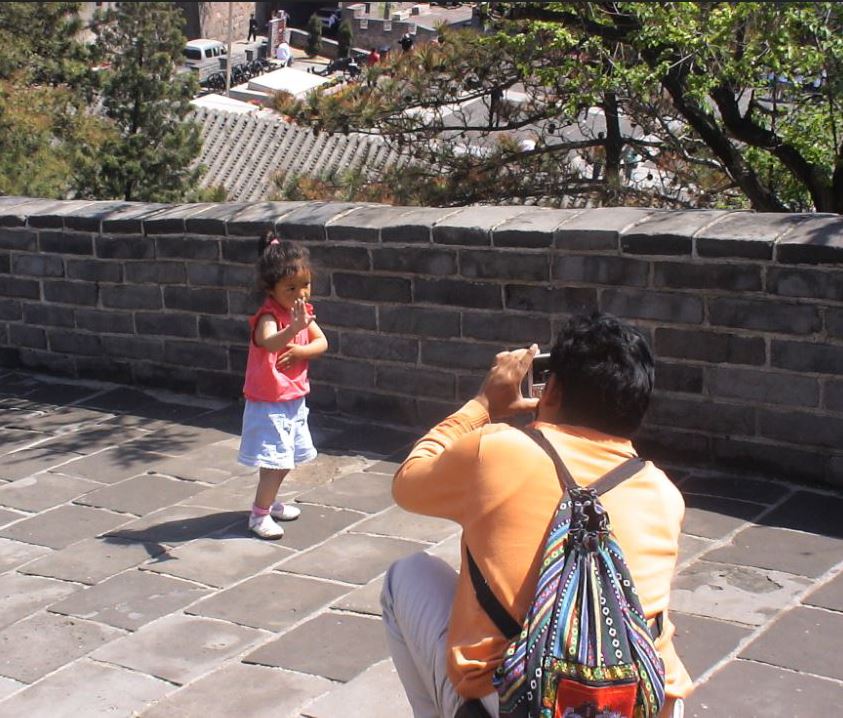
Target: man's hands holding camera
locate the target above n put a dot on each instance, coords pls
(500, 393)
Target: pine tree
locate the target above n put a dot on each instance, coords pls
(314, 35)
(45, 82)
(151, 157)
(344, 39)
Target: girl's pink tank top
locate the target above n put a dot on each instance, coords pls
(264, 382)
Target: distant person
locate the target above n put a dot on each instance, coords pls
(373, 58)
(284, 337)
(284, 54)
(253, 28)
(495, 98)
(598, 156)
(406, 42)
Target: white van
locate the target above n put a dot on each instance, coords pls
(197, 52)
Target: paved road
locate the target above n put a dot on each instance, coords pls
(129, 586)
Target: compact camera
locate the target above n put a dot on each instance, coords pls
(538, 374)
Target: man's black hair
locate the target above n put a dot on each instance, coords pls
(605, 369)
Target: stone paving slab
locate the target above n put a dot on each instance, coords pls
(316, 524)
(7, 687)
(112, 465)
(367, 492)
(141, 405)
(16, 553)
(271, 694)
(174, 439)
(44, 642)
(802, 626)
(63, 526)
(829, 596)
(383, 467)
(365, 599)
(703, 642)
(60, 394)
(714, 517)
(211, 465)
(734, 487)
(450, 551)
(351, 558)
(13, 439)
(130, 600)
(338, 646)
(179, 648)
(742, 594)
(21, 596)
(182, 565)
(92, 439)
(692, 546)
(6, 517)
(813, 512)
(27, 462)
(65, 419)
(795, 552)
(84, 688)
(234, 491)
(324, 469)
(177, 524)
(270, 601)
(139, 495)
(43, 491)
(397, 522)
(92, 560)
(377, 691)
(361, 438)
(744, 689)
(219, 561)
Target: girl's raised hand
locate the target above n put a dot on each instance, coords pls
(301, 318)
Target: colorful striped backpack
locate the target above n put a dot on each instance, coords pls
(585, 649)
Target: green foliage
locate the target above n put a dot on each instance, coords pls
(39, 43)
(314, 36)
(214, 193)
(344, 39)
(45, 82)
(685, 88)
(150, 157)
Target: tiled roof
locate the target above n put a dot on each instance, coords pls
(243, 152)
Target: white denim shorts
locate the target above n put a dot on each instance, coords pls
(275, 435)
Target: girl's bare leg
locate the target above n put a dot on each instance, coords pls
(269, 481)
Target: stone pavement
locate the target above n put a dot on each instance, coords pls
(129, 586)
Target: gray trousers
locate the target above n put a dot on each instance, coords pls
(416, 599)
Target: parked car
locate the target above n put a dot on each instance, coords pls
(198, 51)
(329, 17)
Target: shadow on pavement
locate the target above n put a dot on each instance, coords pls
(157, 537)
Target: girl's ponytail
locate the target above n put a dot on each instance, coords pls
(266, 240)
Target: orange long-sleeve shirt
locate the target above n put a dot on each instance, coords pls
(501, 487)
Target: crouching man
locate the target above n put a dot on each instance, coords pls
(501, 487)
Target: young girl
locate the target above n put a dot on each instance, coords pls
(284, 338)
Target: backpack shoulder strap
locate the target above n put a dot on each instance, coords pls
(618, 475)
(562, 472)
(605, 483)
(505, 623)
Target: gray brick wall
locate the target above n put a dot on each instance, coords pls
(744, 311)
